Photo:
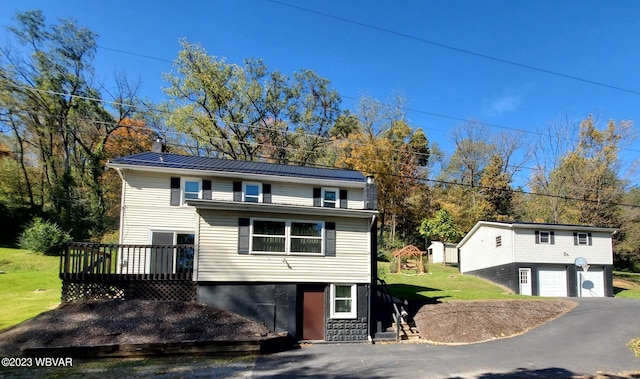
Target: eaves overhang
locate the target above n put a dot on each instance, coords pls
(281, 209)
(532, 225)
(242, 176)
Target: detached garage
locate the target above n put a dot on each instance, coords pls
(541, 259)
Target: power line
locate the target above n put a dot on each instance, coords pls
(417, 175)
(456, 49)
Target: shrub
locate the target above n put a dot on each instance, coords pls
(43, 236)
(110, 237)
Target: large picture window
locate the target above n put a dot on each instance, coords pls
(286, 237)
(344, 301)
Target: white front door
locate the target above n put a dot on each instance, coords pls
(525, 281)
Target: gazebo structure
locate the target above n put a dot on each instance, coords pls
(410, 252)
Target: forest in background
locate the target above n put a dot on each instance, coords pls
(59, 126)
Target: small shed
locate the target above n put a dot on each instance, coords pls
(442, 252)
(410, 253)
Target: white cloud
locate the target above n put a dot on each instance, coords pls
(502, 105)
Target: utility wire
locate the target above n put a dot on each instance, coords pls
(456, 49)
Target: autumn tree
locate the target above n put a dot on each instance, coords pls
(396, 156)
(132, 138)
(248, 112)
(53, 112)
(587, 177)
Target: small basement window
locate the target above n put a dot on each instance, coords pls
(344, 301)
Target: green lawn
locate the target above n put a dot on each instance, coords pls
(29, 285)
(446, 283)
(626, 284)
(441, 283)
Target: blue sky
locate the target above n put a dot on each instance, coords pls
(450, 59)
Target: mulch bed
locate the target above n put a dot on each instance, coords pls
(462, 322)
(120, 322)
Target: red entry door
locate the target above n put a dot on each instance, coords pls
(313, 315)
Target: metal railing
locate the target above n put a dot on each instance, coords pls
(93, 261)
(396, 315)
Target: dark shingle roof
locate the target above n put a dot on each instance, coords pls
(165, 160)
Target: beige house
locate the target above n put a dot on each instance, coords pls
(293, 247)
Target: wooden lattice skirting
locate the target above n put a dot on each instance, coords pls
(180, 290)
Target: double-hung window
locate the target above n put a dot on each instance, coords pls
(544, 237)
(252, 192)
(192, 189)
(582, 238)
(330, 197)
(287, 237)
(344, 301)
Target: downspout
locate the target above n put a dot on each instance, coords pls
(122, 210)
(122, 196)
(373, 235)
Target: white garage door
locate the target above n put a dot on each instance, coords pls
(552, 282)
(591, 283)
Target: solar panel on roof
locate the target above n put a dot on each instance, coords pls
(165, 160)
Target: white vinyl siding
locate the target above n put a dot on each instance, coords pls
(481, 252)
(219, 260)
(146, 208)
(563, 250)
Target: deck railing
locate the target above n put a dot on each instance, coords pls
(95, 262)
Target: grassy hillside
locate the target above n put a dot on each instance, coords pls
(29, 285)
(441, 283)
(446, 283)
(626, 284)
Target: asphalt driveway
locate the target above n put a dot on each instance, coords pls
(589, 339)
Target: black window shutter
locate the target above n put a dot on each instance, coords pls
(589, 237)
(206, 189)
(266, 193)
(575, 238)
(237, 191)
(343, 198)
(537, 236)
(330, 239)
(244, 224)
(317, 193)
(175, 191)
(551, 238)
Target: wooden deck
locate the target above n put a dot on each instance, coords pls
(93, 262)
